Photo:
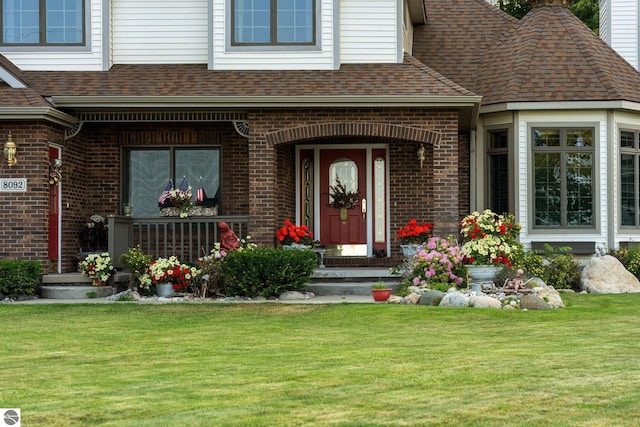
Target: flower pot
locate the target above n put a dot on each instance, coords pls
(380, 295)
(410, 250)
(294, 246)
(481, 274)
(164, 289)
(343, 215)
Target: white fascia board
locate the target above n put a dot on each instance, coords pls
(37, 113)
(266, 101)
(570, 105)
(10, 79)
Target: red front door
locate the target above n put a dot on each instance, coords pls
(350, 167)
(54, 211)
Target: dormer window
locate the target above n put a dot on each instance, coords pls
(42, 22)
(273, 22)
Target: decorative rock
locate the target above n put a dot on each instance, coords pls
(455, 299)
(534, 302)
(607, 275)
(413, 298)
(291, 296)
(535, 282)
(484, 301)
(431, 297)
(551, 296)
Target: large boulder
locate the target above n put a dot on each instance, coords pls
(534, 302)
(455, 299)
(431, 297)
(607, 275)
(551, 296)
(484, 301)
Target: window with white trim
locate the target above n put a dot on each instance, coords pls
(42, 22)
(273, 22)
(563, 178)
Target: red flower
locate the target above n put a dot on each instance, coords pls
(291, 233)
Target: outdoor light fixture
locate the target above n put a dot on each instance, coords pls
(10, 151)
(422, 154)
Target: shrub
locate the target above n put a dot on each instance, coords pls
(19, 277)
(266, 271)
(137, 262)
(632, 261)
(560, 268)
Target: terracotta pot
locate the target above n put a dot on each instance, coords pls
(381, 294)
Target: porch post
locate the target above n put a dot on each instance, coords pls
(446, 192)
(262, 181)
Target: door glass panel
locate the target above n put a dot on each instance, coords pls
(346, 171)
(378, 199)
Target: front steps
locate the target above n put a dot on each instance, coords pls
(78, 286)
(349, 281)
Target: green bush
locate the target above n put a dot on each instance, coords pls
(19, 277)
(266, 271)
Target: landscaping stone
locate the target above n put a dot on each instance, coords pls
(455, 299)
(431, 297)
(413, 298)
(607, 275)
(534, 302)
(550, 295)
(484, 301)
(291, 296)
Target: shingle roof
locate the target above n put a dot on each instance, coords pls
(17, 97)
(409, 78)
(457, 34)
(552, 56)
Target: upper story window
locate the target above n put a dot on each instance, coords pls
(563, 177)
(273, 22)
(42, 22)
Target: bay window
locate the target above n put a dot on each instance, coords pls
(147, 171)
(273, 22)
(563, 178)
(42, 22)
(629, 178)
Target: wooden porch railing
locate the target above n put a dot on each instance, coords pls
(186, 238)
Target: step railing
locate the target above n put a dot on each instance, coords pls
(186, 238)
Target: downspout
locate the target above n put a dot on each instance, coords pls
(473, 159)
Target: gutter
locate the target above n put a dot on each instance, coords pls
(38, 113)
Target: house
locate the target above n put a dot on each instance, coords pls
(428, 109)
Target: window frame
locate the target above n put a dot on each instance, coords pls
(563, 149)
(172, 148)
(635, 152)
(495, 152)
(42, 22)
(273, 28)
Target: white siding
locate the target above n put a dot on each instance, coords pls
(368, 31)
(624, 29)
(605, 25)
(226, 57)
(524, 167)
(159, 31)
(49, 59)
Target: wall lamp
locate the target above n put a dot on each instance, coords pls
(10, 151)
(422, 154)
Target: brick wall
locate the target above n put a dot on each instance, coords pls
(24, 231)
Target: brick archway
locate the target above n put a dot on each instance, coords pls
(370, 129)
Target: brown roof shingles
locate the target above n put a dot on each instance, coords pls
(410, 78)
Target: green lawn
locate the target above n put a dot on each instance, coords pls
(127, 364)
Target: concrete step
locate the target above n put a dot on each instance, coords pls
(75, 292)
(345, 288)
(78, 286)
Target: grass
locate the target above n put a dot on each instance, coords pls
(128, 364)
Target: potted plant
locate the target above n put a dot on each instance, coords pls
(137, 262)
(489, 240)
(94, 234)
(412, 235)
(294, 236)
(98, 267)
(343, 199)
(169, 275)
(380, 292)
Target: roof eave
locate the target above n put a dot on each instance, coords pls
(566, 105)
(86, 102)
(417, 12)
(37, 113)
